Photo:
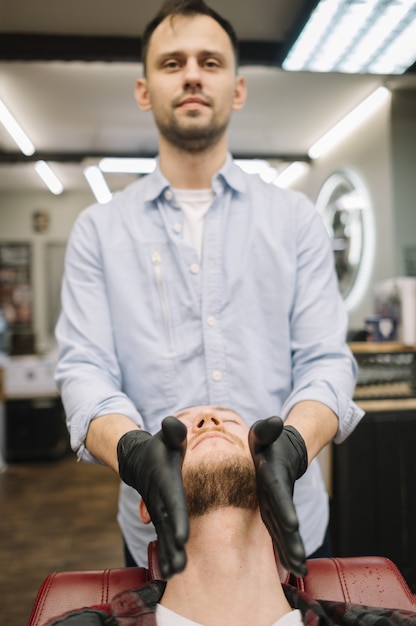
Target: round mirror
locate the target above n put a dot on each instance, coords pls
(346, 210)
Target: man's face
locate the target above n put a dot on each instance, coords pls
(191, 84)
(214, 431)
(218, 469)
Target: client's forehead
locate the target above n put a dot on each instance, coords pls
(189, 414)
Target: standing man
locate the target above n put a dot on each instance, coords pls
(199, 284)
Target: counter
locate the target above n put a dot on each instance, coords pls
(373, 507)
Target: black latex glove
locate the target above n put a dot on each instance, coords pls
(280, 458)
(153, 466)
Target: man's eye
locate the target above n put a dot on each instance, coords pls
(211, 63)
(171, 65)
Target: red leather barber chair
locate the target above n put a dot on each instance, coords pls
(373, 581)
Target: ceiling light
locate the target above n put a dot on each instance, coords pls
(349, 123)
(291, 174)
(357, 36)
(257, 166)
(49, 177)
(15, 131)
(98, 184)
(127, 166)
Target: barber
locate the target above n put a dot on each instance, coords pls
(199, 284)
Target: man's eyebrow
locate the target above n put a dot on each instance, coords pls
(169, 53)
(177, 54)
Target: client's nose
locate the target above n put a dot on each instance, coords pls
(207, 419)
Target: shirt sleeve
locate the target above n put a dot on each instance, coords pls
(88, 374)
(323, 367)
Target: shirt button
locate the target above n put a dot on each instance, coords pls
(168, 194)
(211, 320)
(177, 228)
(216, 376)
(194, 268)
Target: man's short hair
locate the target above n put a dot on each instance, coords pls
(172, 8)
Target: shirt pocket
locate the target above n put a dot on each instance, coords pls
(146, 319)
(163, 308)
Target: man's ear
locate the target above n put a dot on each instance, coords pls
(141, 95)
(143, 512)
(240, 93)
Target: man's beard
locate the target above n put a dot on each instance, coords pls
(210, 486)
(192, 137)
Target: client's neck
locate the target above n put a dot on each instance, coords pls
(231, 575)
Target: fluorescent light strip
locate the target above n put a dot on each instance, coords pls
(349, 123)
(49, 177)
(258, 166)
(340, 36)
(98, 184)
(314, 31)
(400, 54)
(374, 39)
(15, 131)
(127, 166)
(372, 36)
(291, 174)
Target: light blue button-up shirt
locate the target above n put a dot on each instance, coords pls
(257, 324)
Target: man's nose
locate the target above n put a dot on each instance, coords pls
(192, 75)
(207, 419)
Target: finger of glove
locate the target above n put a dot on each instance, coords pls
(174, 433)
(278, 499)
(263, 433)
(173, 501)
(290, 549)
(171, 556)
(289, 544)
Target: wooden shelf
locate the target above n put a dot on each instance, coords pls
(387, 405)
(372, 347)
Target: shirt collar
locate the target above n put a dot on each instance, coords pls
(229, 175)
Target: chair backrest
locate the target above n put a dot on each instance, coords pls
(61, 592)
(373, 581)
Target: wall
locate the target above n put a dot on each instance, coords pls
(368, 153)
(404, 160)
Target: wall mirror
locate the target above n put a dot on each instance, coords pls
(345, 206)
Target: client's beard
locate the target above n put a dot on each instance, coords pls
(210, 486)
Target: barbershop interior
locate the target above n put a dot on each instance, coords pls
(330, 113)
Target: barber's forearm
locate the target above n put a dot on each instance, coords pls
(103, 436)
(315, 422)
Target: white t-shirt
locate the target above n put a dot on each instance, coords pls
(166, 617)
(194, 204)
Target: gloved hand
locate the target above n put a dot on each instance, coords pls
(153, 466)
(280, 458)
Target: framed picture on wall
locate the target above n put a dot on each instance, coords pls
(16, 295)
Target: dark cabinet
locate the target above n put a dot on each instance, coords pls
(35, 429)
(374, 490)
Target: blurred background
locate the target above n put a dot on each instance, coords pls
(331, 112)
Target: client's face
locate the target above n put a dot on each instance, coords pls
(218, 470)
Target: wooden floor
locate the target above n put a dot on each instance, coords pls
(55, 515)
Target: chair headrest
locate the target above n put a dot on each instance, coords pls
(154, 570)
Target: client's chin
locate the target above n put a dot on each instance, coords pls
(227, 481)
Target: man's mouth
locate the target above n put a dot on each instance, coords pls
(192, 102)
(213, 434)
